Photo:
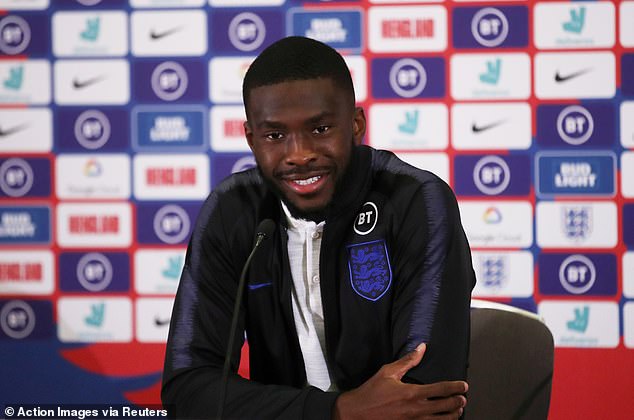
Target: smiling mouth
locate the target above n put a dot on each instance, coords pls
(307, 181)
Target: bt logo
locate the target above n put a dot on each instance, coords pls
(366, 219)
(575, 125)
(577, 274)
(17, 319)
(247, 31)
(171, 224)
(16, 177)
(94, 272)
(15, 35)
(92, 129)
(169, 81)
(491, 175)
(489, 27)
(408, 77)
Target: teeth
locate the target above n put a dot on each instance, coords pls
(307, 181)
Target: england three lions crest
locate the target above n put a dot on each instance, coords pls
(370, 270)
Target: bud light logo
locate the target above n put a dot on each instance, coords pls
(169, 81)
(247, 31)
(171, 224)
(92, 129)
(577, 274)
(575, 125)
(15, 35)
(17, 319)
(16, 177)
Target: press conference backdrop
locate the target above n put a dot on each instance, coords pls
(118, 117)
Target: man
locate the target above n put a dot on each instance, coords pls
(368, 272)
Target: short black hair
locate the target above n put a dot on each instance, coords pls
(297, 58)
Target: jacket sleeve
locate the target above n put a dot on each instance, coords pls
(434, 276)
(199, 332)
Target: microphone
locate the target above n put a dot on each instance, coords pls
(264, 230)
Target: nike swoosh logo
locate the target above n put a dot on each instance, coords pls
(478, 129)
(158, 35)
(12, 130)
(259, 285)
(161, 322)
(80, 84)
(559, 78)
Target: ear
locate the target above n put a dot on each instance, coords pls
(358, 126)
(248, 134)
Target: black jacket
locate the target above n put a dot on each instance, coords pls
(394, 277)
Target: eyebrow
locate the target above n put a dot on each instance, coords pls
(272, 124)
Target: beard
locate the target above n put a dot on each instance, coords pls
(317, 216)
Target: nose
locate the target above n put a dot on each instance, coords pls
(300, 150)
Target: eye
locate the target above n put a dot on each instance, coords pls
(274, 135)
(321, 129)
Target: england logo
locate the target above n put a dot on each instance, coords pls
(370, 270)
(577, 222)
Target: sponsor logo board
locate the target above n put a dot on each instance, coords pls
(26, 130)
(227, 128)
(169, 129)
(492, 175)
(25, 225)
(29, 177)
(171, 33)
(577, 274)
(491, 126)
(86, 82)
(245, 32)
(575, 75)
(497, 224)
(180, 176)
(86, 224)
(576, 224)
(27, 272)
(88, 320)
(94, 272)
(102, 176)
(153, 319)
(228, 88)
(566, 25)
(408, 78)
(158, 271)
(25, 82)
(490, 76)
(582, 324)
(575, 174)
(103, 33)
(166, 223)
(408, 126)
(407, 29)
(571, 126)
(503, 273)
(490, 27)
(341, 28)
(26, 319)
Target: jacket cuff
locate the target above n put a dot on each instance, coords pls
(319, 405)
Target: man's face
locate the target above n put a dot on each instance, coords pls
(302, 134)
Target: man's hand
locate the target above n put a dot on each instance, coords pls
(384, 396)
